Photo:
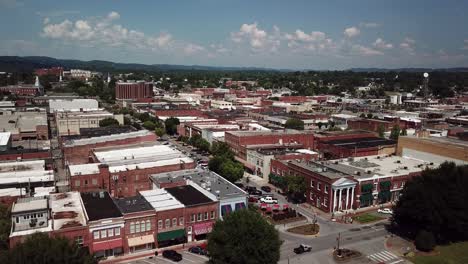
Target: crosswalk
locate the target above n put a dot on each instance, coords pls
(385, 256)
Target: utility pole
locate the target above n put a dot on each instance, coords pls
(338, 238)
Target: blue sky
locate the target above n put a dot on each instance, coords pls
(278, 34)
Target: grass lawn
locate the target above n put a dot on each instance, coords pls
(366, 218)
(456, 253)
(309, 229)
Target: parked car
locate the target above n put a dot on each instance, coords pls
(251, 190)
(385, 211)
(256, 192)
(268, 200)
(266, 188)
(253, 199)
(172, 255)
(197, 250)
(302, 248)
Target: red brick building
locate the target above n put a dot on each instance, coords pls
(238, 140)
(79, 151)
(133, 90)
(57, 71)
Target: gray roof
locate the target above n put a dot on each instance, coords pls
(208, 180)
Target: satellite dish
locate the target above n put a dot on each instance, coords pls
(426, 75)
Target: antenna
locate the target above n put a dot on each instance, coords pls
(426, 81)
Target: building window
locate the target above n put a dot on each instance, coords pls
(212, 214)
(325, 202)
(181, 221)
(168, 223)
(402, 184)
(174, 221)
(77, 183)
(137, 227)
(110, 232)
(312, 184)
(94, 181)
(192, 218)
(132, 227)
(103, 233)
(206, 215)
(200, 217)
(142, 226)
(85, 182)
(96, 234)
(395, 185)
(375, 186)
(318, 186)
(160, 224)
(326, 188)
(117, 231)
(79, 241)
(148, 225)
(311, 196)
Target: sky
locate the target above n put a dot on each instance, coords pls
(313, 34)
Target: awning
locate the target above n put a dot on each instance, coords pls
(203, 228)
(171, 235)
(97, 246)
(141, 240)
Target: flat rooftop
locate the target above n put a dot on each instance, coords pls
(67, 210)
(340, 133)
(366, 142)
(188, 195)
(133, 204)
(206, 179)
(25, 171)
(20, 122)
(267, 133)
(104, 131)
(99, 205)
(442, 140)
(30, 204)
(106, 138)
(161, 200)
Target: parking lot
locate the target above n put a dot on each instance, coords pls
(187, 258)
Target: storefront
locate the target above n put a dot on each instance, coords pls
(200, 231)
(140, 243)
(108, 248)
(170, 238)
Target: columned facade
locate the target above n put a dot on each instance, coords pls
(343, 194)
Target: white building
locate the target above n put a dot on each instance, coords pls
(62, 105)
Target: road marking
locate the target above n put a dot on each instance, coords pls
(146, 261)
(196, 255)
(189, 260)
(383, 256)
(165, 259)
(398, 261)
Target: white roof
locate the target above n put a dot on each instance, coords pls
(107, 138)
(83, 169)
(29, 204)
(4, 137)
(306, 151)
(25, 171)
(67, 202)
(138, 155)
(161, 200)
(73, 105)
(38, 191)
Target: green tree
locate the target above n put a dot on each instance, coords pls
(370, 115)
(435, 201)
(227, 242)
(395, 132)
(222, 149)
(425, 241)
(296, 184)
(150, 125)
(171, 125)
(232, 170)
(294, 123)
(40, 248)
(159, 131)
(5, 225)
(362, 115)
(381, 131)
(106, 122)
(404, 132)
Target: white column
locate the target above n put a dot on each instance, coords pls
(352, 197)
(339, 201)
(334, 200)
(347, 198)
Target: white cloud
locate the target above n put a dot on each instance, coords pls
(46, 20)
(381, 44)
(369, 25)
(365, 51)
(113, 15)
(352, 32)
(258, 39)
(193, 48)
(408, 45)
(104, 31)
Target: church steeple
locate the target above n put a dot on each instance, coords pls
(36, 83)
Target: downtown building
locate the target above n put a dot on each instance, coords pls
(133, 90)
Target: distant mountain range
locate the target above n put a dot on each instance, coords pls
(28, 64)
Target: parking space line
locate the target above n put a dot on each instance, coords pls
(165, 259)
(196, 255)
(398, 261)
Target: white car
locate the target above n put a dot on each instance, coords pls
(385, 211)
(268, 200)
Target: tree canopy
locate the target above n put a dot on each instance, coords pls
(395, 132)
(109, 121)
(171, 125)
(435, 202)
(227, 242)
(294, 123)
(223, 162)
(40, 248)
(5, 225)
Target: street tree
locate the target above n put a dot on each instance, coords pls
(294, 123)
(41, 249)
(381, 131)
(243, 237)
(395, 132)
(159, 131)
(109, 121)
(150, 125)
(171, 125)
